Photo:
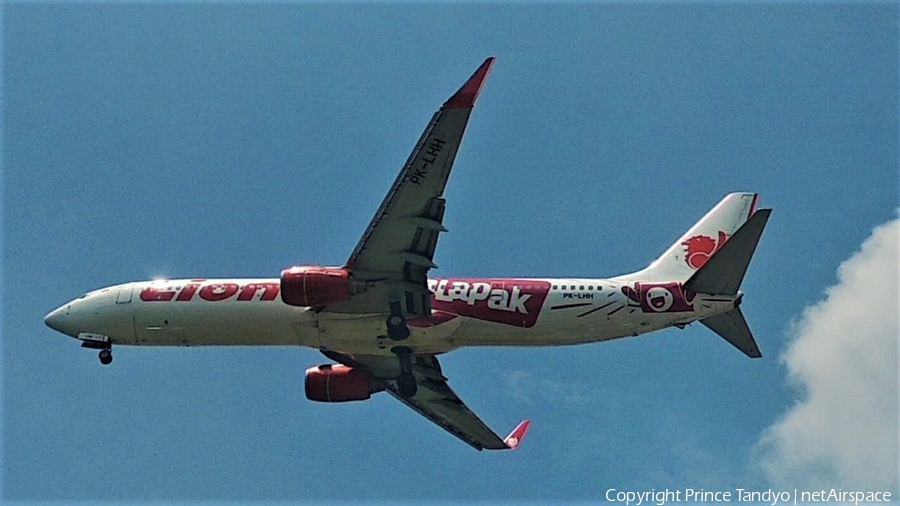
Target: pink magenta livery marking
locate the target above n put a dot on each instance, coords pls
(509, 301)
(437, 318)
(661, 297)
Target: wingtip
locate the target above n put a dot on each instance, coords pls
(514, 439)
(465, 97)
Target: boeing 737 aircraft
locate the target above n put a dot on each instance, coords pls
(384, 322)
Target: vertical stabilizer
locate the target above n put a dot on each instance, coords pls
(692, 250)
(724, 272)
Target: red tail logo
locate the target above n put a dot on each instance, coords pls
(701, 247)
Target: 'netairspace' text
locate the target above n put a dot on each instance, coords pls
(661, 497)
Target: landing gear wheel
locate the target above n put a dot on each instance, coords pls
(406, 384)
(396, 323)
(397, 332)
(106, 357)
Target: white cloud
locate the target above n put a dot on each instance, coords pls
(524, 386)
(842, 433)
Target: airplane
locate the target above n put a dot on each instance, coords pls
(383, 321)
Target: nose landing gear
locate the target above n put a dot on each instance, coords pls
(105, 347)
(106, 356)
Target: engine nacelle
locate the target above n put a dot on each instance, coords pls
(339, 383)
(314, 286)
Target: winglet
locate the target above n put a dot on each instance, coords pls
(514, 439)
(465, 97)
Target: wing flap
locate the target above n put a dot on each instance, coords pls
(453, 416)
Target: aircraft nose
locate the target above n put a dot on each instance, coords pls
(56, 320)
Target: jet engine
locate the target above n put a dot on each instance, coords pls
(340, 383)
(314, 286)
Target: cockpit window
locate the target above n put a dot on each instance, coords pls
(94, 292)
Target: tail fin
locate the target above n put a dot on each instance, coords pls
(724, 272)
(733, 328)
(706, 237)
(713, 257)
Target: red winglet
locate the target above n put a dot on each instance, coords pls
(465, 97)
(514, 439)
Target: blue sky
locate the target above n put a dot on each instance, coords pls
(235, 140)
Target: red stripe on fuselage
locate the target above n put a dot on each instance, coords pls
(515, 302)
(211, 292)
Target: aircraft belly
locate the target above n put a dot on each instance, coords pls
(475, 332)
(367, 334)
(219, 324)
(551, 329)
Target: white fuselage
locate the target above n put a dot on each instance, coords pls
(491, 312)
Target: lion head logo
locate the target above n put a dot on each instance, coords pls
(701, 247)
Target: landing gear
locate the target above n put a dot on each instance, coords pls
(406, 382)
(105, 347)
(106, 356)
(396, 323)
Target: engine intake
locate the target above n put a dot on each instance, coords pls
(314, 286)
(340, 383)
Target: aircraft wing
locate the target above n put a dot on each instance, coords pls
(397, 249)
(435, 400)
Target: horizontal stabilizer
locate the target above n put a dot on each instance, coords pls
(723, 273)
(733, 328)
